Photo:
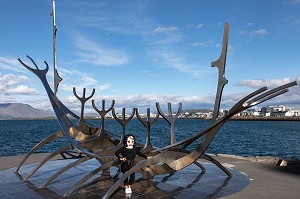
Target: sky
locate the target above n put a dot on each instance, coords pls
(141, 52)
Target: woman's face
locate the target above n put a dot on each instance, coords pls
(130, 142)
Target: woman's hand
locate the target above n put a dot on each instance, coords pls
(123, 159)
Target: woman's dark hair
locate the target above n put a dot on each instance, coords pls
(126, 138)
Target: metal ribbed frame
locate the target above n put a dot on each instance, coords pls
(94, 142)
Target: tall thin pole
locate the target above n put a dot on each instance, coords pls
(57, 78)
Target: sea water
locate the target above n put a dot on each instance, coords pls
(244, 138)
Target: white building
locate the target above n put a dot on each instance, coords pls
(279, 111)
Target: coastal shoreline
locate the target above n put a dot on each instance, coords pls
(237, 118)
(296, 119)
(242, 118)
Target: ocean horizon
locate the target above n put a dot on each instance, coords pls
(242, 138)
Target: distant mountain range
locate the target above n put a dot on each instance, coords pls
(22, 111)
(25, 111)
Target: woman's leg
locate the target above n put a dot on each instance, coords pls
(124, 168)
(131, 179)
(132, 176)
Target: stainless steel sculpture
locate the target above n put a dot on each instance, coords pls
(147, 123)
(95, 142)
(57, 78)
(170, 118)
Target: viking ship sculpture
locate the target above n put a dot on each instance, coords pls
(93, 142)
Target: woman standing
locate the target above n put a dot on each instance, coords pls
(127, 154)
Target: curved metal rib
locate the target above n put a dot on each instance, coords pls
(64, 170)
(177, 163)
(45, 160)
(213, 160)
(266, 94)
(172, 159)
(141, 164)
(209, 135)
(238, 107)
(41, 143)
(41, 74)
(200, 166)
(91, 174)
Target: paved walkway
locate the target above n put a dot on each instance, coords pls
(251, 180)
(266, 181)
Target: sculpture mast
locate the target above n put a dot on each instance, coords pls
(57, 78)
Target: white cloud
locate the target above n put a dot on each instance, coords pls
(166, 36)
(192, 102)
(73, 72)
(171, 58)
(10, 79)
(256, 33)
(218, 45)
(259, 32)
(141, 101)
(164, 29)
(293, 20)
(82, 80)
(11, 63)
(229, 47)
(165, 51)
(88, 80)
(12, 84)
(198, 44)
(149, 74)
(130, 19)
(145, 101)
(91, 52)
(241, 32)
(168, 39)
(261, 83)
(104, 87)
(198, 26)
(290, 98)
(291, 2)
(22, 89)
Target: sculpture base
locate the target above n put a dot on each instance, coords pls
(186, 183)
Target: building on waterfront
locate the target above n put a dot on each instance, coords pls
(279, 111)
(268, 111)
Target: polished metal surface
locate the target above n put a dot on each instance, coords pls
(57, 78)
(147, 122)
(103, 112)
(186, 183)
(83, 100)
(95, 143)
(123, 121)
(170, 118)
